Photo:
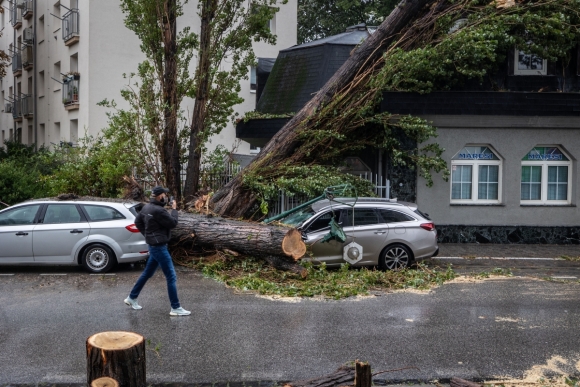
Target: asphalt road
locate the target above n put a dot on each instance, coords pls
(473, 330)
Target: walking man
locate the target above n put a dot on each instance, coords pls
(155, 223)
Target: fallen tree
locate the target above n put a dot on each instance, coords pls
(420, 47)
(282, 247)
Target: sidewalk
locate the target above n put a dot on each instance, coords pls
(476, 250)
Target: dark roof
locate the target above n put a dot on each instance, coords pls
(351, 37)
(300, 71)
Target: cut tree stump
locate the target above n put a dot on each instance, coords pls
(457, 382)
(104, 382)
(363, 377)
(117, 355)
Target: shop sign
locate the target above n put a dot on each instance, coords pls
(476, 156)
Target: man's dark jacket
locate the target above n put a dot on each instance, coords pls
(155, 223)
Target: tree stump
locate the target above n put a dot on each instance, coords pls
(116, 355)
(362, 374)
(104, 382)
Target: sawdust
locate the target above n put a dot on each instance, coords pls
(554, 374)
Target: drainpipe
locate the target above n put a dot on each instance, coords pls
(34, 78)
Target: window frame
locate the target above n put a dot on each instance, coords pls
(517, 71)
(475, 163)
(544, 181)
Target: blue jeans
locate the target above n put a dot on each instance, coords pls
(158, 256)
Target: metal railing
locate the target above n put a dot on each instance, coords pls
(70, 24)
(16, 62)
(15, 13)
(27, 104)
(28, 7)
(16, 108)
(70, 91)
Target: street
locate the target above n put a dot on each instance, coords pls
(469, 329)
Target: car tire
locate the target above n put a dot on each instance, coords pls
(395, 257)
(98, 258)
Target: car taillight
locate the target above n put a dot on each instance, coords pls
(428, 226)
(132, 228)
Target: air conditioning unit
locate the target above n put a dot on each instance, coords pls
(19, 4)
(28, 35)
(8, 108)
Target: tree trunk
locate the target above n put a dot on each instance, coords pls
(363, 377)
(104, 382)
(208, 11)
(344, 376)
(117, 355)
(233, 199)
(253, 239)
(170, 155)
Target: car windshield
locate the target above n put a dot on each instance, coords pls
(297, 218)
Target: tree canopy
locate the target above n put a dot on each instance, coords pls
(321, 18)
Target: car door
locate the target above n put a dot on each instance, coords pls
(61, 229)
(329, 252)
(16, 229)
(365, 227)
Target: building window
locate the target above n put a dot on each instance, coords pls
(476, 176)
(546, 173)
(253, 84)
(529, 64)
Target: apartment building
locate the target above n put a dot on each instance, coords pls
(69, 55)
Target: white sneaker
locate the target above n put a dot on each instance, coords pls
(133, 303)
(179, 312)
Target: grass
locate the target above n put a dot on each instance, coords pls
(569, 258)
(254, 275)
(498, 271)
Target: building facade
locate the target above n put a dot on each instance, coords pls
(68, 55)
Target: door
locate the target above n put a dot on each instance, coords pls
(329, 252)
(16, 226)
(367, 229)
(61, 229)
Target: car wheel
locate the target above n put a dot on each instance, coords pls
(395, 257)
(98, 258)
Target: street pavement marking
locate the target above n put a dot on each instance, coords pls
(103, 274)
(6, 274)
(504, 258)
(564, 277)
(53, 274)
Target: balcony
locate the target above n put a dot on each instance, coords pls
(28, 9)
(26, 103)
(16, 13)
(70, 27)
(17, 64)
(27, 59)
(17, 109)
(70, 92)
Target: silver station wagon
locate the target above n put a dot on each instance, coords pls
(97, 235)
(365, 232)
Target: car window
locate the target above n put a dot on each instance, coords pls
(61, 213)
(101, 213)
(423, 214)
(362, 217)
(19, 216)
(391, 216)
(321, 222)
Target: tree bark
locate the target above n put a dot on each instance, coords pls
(363, 377)
(233, 199)
(170, 155)
(117, 355)
(208, 11)
(344, 376)
(278, 244)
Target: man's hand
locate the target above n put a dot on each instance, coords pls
(174, 204)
